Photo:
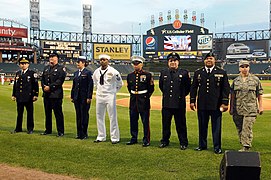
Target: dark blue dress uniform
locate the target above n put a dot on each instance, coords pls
(175, 86)
(82, 90)
(140, 86)
(54, 78)
(25, 87)
(212, 90)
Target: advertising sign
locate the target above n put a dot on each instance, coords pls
(246, 49)
(115, 51)
(13, 32)
(65, 48)
(205, 42)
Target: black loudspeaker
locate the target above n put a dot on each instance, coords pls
(240, 165)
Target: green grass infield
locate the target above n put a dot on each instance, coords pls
(87, 160)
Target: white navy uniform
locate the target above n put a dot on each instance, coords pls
(106, 99)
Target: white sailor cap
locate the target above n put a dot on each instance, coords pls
(104, 56)
(138, 58)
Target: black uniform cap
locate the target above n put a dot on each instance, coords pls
(54, 53)
(23, 60)
(210, 54)
(173, 55)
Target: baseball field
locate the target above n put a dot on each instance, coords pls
(48, 157)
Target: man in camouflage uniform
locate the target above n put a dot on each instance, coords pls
(246, 102)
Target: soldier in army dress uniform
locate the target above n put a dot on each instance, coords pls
(25, 92)
(246, 103)
(140, 86)
(52, 80)
(210, 88)
(175, 85)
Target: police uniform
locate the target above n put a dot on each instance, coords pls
(106, 100)
(82, 90)
(140, 86)
(211, 90)
(245, 105)
(54, 77)
(25, 87)
(175, 86)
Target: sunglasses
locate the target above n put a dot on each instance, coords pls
(136, 62)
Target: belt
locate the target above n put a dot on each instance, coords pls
(139, 92)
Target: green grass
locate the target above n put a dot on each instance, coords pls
(86, 159)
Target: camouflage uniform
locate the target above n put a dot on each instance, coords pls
(245, 106)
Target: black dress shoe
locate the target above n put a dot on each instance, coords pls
(15, 131)
(60, 135)
(200, 149)
(131, 142)
(218, 151)
(84, 137)
(30, 132)
(46, 133)
(183, 147)
(146, 144)
(97, 141)
(162, 145)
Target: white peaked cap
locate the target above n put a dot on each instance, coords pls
(138, 58)
(104, 56)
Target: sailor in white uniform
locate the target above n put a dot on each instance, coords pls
(108, 82)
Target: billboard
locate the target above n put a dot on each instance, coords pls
(13, 32)
(115, 51)
(64, 48)
(188, 40)
(205, 42)
(250, 49)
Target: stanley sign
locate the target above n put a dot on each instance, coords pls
(115, 51)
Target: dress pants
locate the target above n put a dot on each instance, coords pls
(54, 104)
(103, 103)
(203, 120)
(30, 119)
(180, 122)
(82, 117)
(145, 118)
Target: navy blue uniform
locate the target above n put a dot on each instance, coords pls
(140, 86)
(175, 86)
(24, 89)
(54, 78)
(211, 91)
(82, 90)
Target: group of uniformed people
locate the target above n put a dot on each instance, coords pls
(209, 94)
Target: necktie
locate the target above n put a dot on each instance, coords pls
(208, 70)
(79, 74)
(102, 77)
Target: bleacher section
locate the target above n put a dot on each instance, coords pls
(37, 67)
(9, 68)
(257, 68)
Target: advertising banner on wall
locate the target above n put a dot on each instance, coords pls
(13, 32)
(205, 42)
(245, 49)
(115, 51)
